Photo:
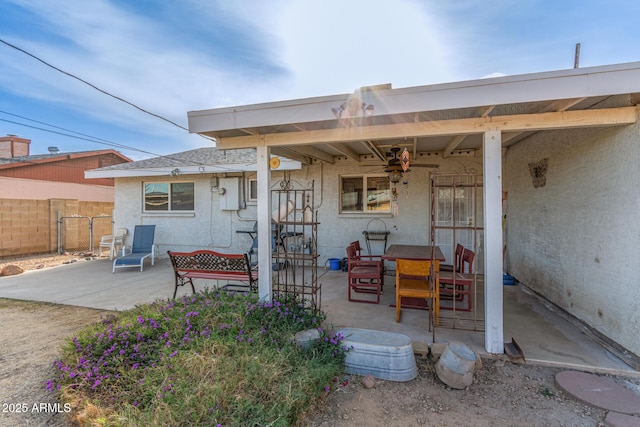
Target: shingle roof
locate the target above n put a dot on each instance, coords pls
(49, 157)
(23, 159)
(201, 160)
(207, 156)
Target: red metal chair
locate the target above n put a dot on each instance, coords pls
(363, 277)
(458, 285)
(456, 260)
(370, 259)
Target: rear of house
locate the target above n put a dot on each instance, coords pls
(542, 171)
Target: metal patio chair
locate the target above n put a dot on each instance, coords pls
(142, 248)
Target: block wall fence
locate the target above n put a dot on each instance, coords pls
(31, 226)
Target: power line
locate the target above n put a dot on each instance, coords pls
(81, 136)
(91, 85)
(96, 140)
(85, 137)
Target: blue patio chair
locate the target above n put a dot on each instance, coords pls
(141, 249)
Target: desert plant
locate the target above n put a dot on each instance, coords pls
(213, 358)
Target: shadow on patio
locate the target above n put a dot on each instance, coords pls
(545, 335)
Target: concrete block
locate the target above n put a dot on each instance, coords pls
(305, 339)
(420, 348)
(437, 349)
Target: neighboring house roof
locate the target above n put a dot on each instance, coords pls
(22, 161)
(200, 160)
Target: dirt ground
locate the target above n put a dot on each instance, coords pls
(38, 262)
(502, 394)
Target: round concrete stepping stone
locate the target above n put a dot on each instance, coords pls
(614, 419)
(599, 391)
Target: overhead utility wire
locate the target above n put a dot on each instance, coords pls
(91, 138)
(92, 85)
(82, 137)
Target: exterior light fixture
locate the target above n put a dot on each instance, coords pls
(354, 107)
(346, 110)
(395, 176)
(367, 110)
(396, 166)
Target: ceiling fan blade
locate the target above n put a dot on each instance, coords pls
(424, 165)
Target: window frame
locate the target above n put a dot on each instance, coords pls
(170, 191)
(250, 181)
(364, 178)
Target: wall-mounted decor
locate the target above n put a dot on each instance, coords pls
(538, 171)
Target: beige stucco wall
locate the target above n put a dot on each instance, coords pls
(33, 189)
(212, 228)
(575, 240)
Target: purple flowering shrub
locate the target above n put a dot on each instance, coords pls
(235, 351)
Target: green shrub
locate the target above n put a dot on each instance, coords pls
(213, 358)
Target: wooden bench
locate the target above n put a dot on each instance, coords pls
(204, 264)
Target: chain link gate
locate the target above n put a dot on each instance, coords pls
(78, 233)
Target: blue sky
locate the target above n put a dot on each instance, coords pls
(169, 57)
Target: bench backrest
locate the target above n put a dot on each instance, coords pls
(204, 261)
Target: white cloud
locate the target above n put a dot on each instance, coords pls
(342, 45)
(193, 55)
(126, 55)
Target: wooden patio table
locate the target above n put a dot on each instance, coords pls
(414, 252)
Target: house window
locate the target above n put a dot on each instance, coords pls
(252, 185)
(164, 196)
(365, 193)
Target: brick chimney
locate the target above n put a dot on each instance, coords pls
(13, 146)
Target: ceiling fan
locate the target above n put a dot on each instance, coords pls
(397, 165)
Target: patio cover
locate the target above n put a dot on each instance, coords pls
(444, 120)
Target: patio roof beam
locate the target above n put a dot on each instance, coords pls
(310, 152)
(375, 150)
(452, 145)
(347, 151)
(290, 154)
(457, 140)
(562, 104)
(509, 136)
(559, 105)
(476, 125)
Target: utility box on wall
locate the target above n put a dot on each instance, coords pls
(229, 190)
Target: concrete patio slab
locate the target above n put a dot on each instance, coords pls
(92, 284)
(545, 336)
